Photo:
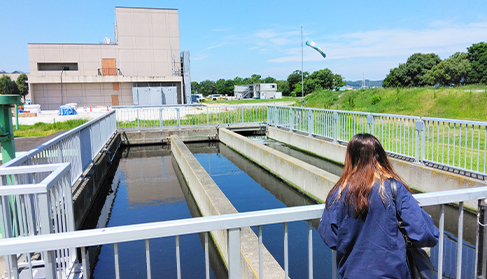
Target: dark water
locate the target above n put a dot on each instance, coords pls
(250, 188)
(145, 185)
(146, 189)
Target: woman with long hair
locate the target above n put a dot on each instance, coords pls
(359, 220)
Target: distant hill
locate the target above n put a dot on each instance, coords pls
(368, 83)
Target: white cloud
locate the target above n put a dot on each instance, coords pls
(447, 39)
(198, 57)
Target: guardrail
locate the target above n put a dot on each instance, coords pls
(37, 200)
(78, 146)
(146, 117)
(232, 223)
(459, 144)
(455, 143)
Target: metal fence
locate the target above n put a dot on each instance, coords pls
(233, 223)
(37, 200)
(455, 143)
(146, 117)
(78, 146)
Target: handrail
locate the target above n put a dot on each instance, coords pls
(203, 224)
(230, 222)
(19, 160)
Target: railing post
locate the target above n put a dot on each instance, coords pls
(276, 116)
(419, 129)
(291, 119)
(481, 259)
(207, 117)
(242, 107)
(311, 122)
(161, 124)
(178, 115)
(234, 268)
(6, 225)
(138, 120)
(336, 126)
(46, 228)
(370, 124)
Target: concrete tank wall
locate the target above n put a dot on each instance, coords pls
(211, 201)
(419, 177)
(308, 179)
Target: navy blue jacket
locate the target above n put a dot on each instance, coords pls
(374, 247)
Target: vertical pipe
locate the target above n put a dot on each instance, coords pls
(234, 268)
(207, 257)
(481, 257)
(147, 258)
(178, 258)
(334, 273)
(286, 260)
(460, 240)
(310, 250)
(440, 248)
(261, 261)
(117, 266)
(86, 264)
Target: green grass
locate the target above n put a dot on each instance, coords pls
(455, 103)
(41, 129)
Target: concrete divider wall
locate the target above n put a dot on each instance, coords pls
(134, 137)
(85, 190)
(312, 181)
(211, 201)
(419, 177)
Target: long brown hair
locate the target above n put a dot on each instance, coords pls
(365, 162)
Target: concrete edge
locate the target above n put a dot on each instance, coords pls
(306, 178)
(85, 189)
(418, 177)
(211, 201)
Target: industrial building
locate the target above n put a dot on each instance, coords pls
(142, 66)
(256, 91)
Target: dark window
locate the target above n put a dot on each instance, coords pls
(60, 66)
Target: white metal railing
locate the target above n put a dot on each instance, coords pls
(147, 117)
(78, 146)
(232, 223)
(457, 143)
(37, 200)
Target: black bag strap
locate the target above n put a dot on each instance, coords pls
(399, 219)
(394, 189)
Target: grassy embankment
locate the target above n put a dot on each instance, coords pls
(445, 143)
(45, 129)
(455, 103)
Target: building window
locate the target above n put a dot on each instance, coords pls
(63, 66)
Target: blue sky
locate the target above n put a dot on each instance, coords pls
(239, 38)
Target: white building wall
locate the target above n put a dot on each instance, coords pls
(147, 50)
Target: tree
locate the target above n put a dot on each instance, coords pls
(207, 87)
(269, 80)
(237, 80)
(338, 81)
(8, 86)
(294, 78)
(322, 78)
(283, 86)
(22, 85)
(477, 55)
(195, 87)
(411, 74)
(451, 71)
(224, 87)
(230, 87)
